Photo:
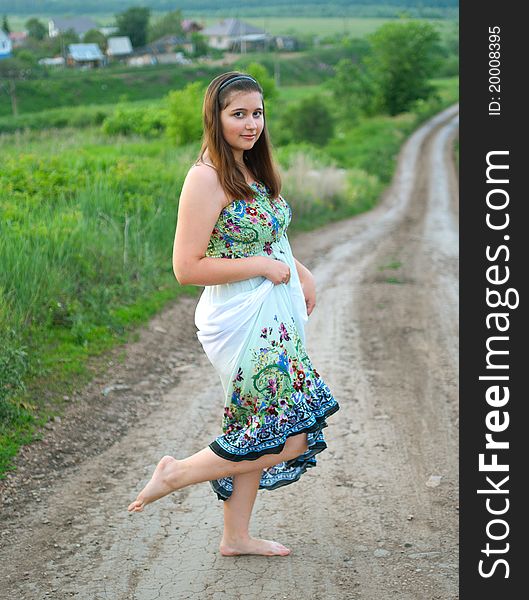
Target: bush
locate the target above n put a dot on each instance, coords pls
(372, 145)
(353, 91)
(184, 123)
(126, 120)
(449, 67)
(319, 193)
(309, 120)
(259, 72)
(77, 116)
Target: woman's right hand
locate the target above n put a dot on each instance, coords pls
(276, 270)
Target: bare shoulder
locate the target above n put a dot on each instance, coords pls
(202, 189)
(202, 180)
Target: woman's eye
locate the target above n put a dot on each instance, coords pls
(257, 113)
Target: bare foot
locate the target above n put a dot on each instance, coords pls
(253, 546)
(158, 486)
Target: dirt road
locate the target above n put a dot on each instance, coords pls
(377, 518)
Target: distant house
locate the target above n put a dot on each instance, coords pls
(172, 58)
(18, 38)
(87, 55)
(6, 46)
(119, 47)
(162, 51)
(80, 25)
(168, 43)
(286, 42)
(189, 26)
(141, 60)
(233, 34)
(144, 58)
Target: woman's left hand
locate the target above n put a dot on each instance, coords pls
(308, 286)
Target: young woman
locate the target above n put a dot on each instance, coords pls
(231, 238)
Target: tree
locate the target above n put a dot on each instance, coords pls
(35, 29)
(134, 23)
(13, 70)
(404, 56)
(353, 91)
(59, 44)
(200, 44)
(309, 120)
(169, 24)
(5, 25)
(94, 36)
(185, 113)
(259, 72)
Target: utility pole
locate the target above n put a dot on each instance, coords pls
(243, 41)
(10, 86)
(62, 47)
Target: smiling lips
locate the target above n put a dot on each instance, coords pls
(249, 137)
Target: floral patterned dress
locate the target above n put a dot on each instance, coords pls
(253, 332)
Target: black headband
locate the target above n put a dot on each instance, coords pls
(234, 79)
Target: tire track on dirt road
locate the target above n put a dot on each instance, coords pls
(377, 519)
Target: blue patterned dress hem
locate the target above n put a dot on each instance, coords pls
(285, 472)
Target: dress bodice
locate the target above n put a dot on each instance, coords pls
(250, 227)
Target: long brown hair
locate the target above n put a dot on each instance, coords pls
(258, 159)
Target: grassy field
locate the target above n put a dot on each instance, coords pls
(86, 116)
(73, 87)
(325, 26)
(357, 27)
(38, 142)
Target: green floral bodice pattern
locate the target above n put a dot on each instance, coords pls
(250, 227)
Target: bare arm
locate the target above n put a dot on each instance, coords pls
(307, 284)
(201, 202)
(302, 270)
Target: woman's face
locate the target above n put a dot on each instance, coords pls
(242, 120)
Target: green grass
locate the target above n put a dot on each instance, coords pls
(73, 87)
(394, 265)
(288, 25)
(86, 229)
(356, 27)
(86, 116)
(299, 92)
(447, 88)
(62, 365)
(100, 87)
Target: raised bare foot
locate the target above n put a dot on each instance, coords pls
(158, 486)
(253, 546)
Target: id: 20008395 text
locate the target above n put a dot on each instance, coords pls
(494, 71)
